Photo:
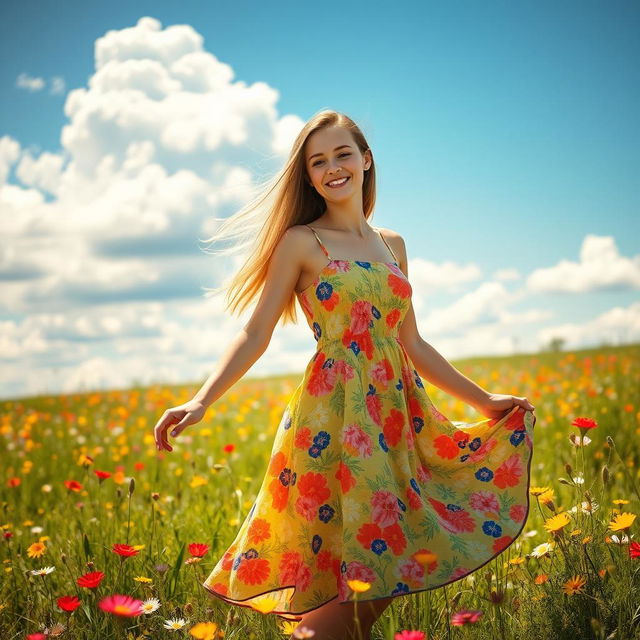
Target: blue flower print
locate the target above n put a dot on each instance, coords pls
(417, 379)
(474, 445)
(354, 347)
(371, 391)
(285, 476)
(418, 423)
(454, 507)
(325, 513)
(250, 554)
(383, 442)
(492, 528)
(293, 479)
(401, 504)
(375, 312)
(399, 388)
(328, 363)
(517, 437)
(464, 457)
(317, 332)
(324, 291)
(287, 423)
(364, 265)
(484, 474)
(236, 562)
(401, 587)
(315, 451)
(322, 439)
(378, 546)
(415, 486)
(316, 543)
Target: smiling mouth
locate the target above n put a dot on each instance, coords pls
(339, 184)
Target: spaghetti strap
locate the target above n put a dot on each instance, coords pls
(324, 249)
(388, 247)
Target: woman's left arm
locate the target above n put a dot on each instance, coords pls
(432, 366)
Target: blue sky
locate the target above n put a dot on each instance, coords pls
(507, 145)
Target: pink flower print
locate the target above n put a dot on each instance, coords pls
(344, 370)
(486, 447)
(517, 512)
(357, 441)
(293, 570)
(482, 501)
(374, 407)
(360, 316)
(385, 509)
(424, 473)
(437, 415)
(382, 372)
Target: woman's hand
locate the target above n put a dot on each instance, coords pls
(181, 416)
(497, 405)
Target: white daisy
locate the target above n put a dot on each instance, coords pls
(42, 572)
(174, 623)
(150, 605)
(542, 549)
(578, 479)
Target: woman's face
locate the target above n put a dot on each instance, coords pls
(331, 153)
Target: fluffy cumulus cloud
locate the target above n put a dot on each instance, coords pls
(101, 265)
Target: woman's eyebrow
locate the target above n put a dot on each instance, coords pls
(340, 147)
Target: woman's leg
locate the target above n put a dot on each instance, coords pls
(335, 620)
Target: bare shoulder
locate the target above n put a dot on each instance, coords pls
(395, 240)
(300, 240)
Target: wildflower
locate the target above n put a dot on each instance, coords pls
(198, 549)
(90, 580)
(586, 539)
(634, 550)
(410, 635)
(173, 624)
(538, 491)
(266, 604)
(543, 549)
(575, 532)
(73, 485)
(36, 550)
(574, 585)
(359, 586)
(579, 442)
(68, 603)
(465, 616)
(557, 522)
(622, 522)
(143, 579)
(517, 560)
(204, 630)
(124, 550)
(584, 423)
(620, 501)
(303, 632)
(579, 479)
(121, 605)
(150, 605)
(541, 578)
(42, 572)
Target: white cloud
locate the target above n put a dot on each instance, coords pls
(601, 267)
(31, 83)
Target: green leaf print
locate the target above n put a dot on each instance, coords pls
(445, 493)
(336, 401)
(429, 524)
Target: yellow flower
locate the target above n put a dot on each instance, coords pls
(541, 578)
(538, 491)
(266, 604)
(516, 560)
(36, 550)
(622, 521)
(620, 501)
(204, 630)
(557, 522)
(142, 579)
(574, 585)
(576, 532)
(197, 481)
(358, 585)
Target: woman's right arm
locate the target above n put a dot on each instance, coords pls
(249, 344)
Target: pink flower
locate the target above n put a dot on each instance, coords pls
(121, 605)
(410, 635)
(465, 616)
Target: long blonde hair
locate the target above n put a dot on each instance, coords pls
(281, 202)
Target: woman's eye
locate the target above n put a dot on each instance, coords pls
(340, 156)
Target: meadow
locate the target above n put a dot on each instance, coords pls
(104, 537)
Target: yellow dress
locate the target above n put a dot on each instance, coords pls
(365, 474)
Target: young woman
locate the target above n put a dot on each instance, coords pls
(367, 480)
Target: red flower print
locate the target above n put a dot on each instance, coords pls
(424, 474)
(456, 520)
(331, 302)
(361, 316)
(483, 501)
(363, 340)
(324, 560)
(294, 571)
(517, 512)
(279, 494)
(461, 436)
(393, 426)
(344, 370)
(374, 407)
(382, 372)
(218, 587)
(509, 472)
(344, 475)
(395, 538)
(259, 530)
(414, 500)
(516, 420)
(303, 438)
(356, 441)
(399, 286)
(253, 570)
(385, 509)
(227, 559)
(501, 543)
(446, 447)
(367, 533)
(392, 318)
(485, 448)
(322, 379)
(314, 486)
(277, 463)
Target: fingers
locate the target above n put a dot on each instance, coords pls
(160, 431)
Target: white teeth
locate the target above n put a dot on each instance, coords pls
(335, 182)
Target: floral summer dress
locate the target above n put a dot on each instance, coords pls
(365, 473)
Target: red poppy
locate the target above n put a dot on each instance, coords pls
(198, 549)
(102, 474)
(124, 550)
(72, 485)
(228, 448)
(634, 550)
(465, 617)
(90, 580)
(68, 603)
(584, 423)
(14, 482)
